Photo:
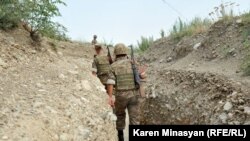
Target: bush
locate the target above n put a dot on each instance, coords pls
(245, 66)
(9, 16)
(246, 17)
(144, 43)
(36, 16)
(181, 29)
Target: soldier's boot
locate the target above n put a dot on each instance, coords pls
(120, 135)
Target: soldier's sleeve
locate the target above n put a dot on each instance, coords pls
(111, 77)
(94, 67)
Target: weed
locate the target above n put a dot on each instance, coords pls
(144, 43)
(181, 29)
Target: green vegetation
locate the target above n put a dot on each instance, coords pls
(144, 43)
(35, 16)
(246, 43)
(245, 66)
(246, 18)
(225, 11)
(182, 29)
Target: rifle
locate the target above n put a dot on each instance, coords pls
(136, 74)
(109, 55)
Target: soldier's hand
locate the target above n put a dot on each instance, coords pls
(111, 102)
(142, 69)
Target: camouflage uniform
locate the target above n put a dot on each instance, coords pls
(94, 41)
(126, 95)
(101, 67)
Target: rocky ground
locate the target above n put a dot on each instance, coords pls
(199, 79)
(47, 92)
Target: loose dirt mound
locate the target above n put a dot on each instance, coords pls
(199, 80)
(50, 96)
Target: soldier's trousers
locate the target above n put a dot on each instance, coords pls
(127, 100)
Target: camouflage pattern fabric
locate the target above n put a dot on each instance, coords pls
(123, 72)
(102, 68)
(127, 100)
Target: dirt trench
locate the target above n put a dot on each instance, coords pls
(50, 95)
(188, 97)
(199, 79)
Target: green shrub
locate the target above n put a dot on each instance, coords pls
(245, 66)
(246, 18)
(36, 15)
(9, 16)
(196, 26)
(144, 43)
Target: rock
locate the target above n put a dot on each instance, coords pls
(247, 123)
(241, 101)
(196, 46)
(84, 132)
(56, 137)
(241, 108)
(39, 85)
(60, 53)
(236, 123)
(15, 45)
(228, 106)
(64, 137)
(5, 138)
(85, 85)
(239, 21)
(161, 60)
(33, 51)
(223, 117)
(73, 72)
(3, 64)
(38, 104)
(234, 93)
(110, 116)
(61, 76)
(230, 115)
(169, 107)
(169, 59)
(231, 51)
(247, 110)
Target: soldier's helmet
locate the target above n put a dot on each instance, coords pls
(95, 36)
(98, 46)
(120, 49)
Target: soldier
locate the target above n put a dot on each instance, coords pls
(94, 41)
(126, 94)
(101, 68)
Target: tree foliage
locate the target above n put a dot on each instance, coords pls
(35, 15)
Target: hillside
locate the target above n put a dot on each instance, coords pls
(199, 79)
(47, 92)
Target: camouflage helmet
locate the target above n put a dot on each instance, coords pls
(120, 49)
(98, 46)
